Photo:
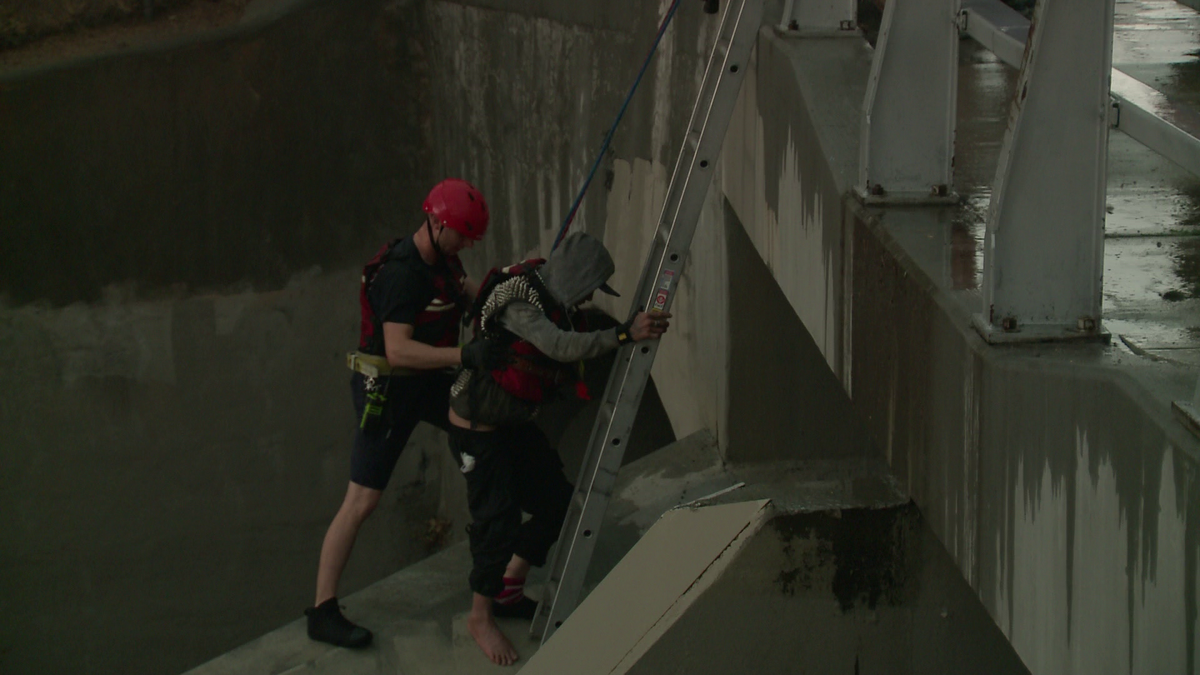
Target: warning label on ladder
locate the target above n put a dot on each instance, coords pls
(664, 291)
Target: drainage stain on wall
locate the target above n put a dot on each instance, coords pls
(866, 550)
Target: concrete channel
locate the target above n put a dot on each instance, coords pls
(181, 226)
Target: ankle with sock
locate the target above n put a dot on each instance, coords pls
(512, 603)
(514, 590)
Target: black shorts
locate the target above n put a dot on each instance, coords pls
(410, 399)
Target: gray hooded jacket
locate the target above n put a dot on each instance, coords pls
(577, 268)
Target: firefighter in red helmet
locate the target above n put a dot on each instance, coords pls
(457, 205)
(412, 296)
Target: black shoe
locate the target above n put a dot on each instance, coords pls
(521, 609)
(326, 623)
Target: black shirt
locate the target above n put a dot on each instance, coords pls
(428, 297)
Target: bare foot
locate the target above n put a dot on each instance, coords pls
(489, 638)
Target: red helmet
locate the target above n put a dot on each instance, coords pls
(459, 206)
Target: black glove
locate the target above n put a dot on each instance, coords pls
(484, 354)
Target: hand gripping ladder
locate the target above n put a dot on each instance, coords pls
(672, 239)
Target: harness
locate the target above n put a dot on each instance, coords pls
(371, 359)
(442, 312)
(531, 375)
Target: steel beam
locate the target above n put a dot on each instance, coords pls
(1144, 114)
(907, 150)
(1044, 243)
(819, 17)
(1147, 116)
(996, 26)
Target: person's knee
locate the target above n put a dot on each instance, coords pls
(360, 502)
(493, 537)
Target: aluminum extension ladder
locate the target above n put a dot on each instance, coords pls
(660, 275)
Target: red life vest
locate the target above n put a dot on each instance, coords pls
(531, 376)
(444, 311)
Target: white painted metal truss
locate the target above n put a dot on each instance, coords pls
(1044, 243)
(907, 149)
(1170, 129)
(820, 17)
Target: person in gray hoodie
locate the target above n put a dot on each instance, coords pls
(509, 464)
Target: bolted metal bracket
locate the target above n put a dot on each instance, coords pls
(819, 18)
(876, 195)
(1010, 331)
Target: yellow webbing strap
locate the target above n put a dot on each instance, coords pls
(374, 366)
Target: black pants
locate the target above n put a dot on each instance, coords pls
(515, 470)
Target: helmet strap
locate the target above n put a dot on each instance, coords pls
(434, 241)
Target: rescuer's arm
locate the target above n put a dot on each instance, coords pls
(405, 352)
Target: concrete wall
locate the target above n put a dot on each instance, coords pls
(1067, 498)
(1055, 477)
(852, 591)
(180, 234)
(22, 22)
(181, 229)
(243, 159)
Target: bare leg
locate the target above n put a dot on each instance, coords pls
(339, 539)
(518, 568)
(487, 634)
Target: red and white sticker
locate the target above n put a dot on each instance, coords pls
(664, 291)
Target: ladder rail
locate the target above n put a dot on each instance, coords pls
(656, 290)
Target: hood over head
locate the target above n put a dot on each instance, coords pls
(579, 266)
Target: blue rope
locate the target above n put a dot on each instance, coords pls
(612, 130)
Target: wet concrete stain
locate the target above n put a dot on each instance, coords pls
(868, 548)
